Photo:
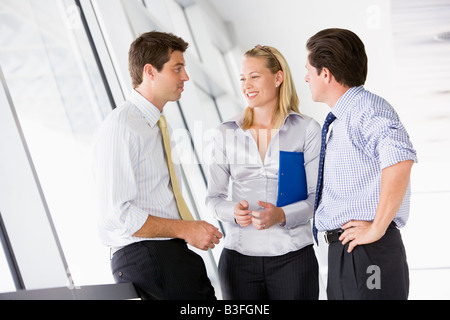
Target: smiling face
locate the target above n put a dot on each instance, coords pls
(258, 83)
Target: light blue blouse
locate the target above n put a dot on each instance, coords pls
(236, 172)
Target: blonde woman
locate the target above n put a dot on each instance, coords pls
(268, 252)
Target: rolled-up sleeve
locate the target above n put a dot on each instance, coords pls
(116, 156)
(385, 137)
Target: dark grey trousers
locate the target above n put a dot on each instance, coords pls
(163, 270)
(375, 271)
(292, 276)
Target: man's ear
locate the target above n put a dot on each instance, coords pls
(326, 75)
(149, 71)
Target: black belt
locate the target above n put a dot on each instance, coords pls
(113, 250)
(333, 235)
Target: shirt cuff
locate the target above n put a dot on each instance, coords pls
(394, 158)
(296, 214)
(225, 211)
(134, 220)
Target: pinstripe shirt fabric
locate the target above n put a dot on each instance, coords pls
(131, 172)
(366, 137)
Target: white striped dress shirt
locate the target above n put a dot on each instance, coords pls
(131, 172)
(366, 137)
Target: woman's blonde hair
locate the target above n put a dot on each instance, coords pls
(287, 95)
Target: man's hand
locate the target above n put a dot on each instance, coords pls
(394, 182)
(201, 234)
(360, 232)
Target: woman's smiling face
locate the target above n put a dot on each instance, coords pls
(258, 84)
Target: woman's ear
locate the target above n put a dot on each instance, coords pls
(279, 78)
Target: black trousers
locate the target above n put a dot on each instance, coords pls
(375, 271)
(164, 269)
(292, 276)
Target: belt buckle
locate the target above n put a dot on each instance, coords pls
(330, 236)
(325, 235)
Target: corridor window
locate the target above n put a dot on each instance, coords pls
(182, 27)
(6, 281)
(60, 99)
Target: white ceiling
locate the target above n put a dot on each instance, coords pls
(408, 64)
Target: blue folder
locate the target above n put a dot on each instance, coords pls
(292, 185)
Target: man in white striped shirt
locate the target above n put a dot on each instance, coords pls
(366, 171)
(139, 217)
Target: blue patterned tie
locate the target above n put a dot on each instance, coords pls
(330, 118)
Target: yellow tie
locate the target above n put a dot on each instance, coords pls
(181, 204)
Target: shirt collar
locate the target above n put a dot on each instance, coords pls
(345, 100)
(239, 118)
(236, 119)
(150, 112)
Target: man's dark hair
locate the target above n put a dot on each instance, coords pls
(342, 52)
(152, 47)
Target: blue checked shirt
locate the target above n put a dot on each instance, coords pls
(366, 137)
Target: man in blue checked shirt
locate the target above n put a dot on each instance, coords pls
(363, 191)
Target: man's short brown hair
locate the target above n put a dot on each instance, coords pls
(152, 47)
(342, 52)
